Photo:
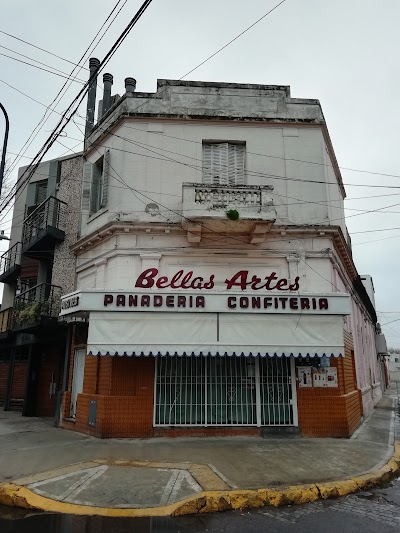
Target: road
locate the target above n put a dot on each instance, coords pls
(366, 512)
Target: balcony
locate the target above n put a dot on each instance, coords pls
(244, 209)
(10, 264)
(38, 306)
(44, 228)
(5, 322)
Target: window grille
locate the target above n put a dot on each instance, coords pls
(223, 164)
(223, 391)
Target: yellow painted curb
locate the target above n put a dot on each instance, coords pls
(211, 501)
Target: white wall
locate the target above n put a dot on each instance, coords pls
(138, 153)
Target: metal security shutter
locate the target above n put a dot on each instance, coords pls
(87, 180)
(223, 163)
(105, 178)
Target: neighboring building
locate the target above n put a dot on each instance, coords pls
(394, 365)
(36, 270)
(216, 291)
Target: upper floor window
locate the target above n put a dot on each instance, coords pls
(396, 359)
(40, 192)
(224, 163)
(95, 184)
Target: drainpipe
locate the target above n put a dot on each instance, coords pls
(108, 81)
(94, 65)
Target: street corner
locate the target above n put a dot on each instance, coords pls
(113, 488)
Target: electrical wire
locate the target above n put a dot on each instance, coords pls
(39, 48)
(65, 119)
(55, 71)
(63, 89)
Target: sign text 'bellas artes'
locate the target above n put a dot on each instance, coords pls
(241, 280)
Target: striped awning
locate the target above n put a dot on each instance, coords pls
(206, 335)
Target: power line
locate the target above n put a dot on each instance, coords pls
(234, 39)
(63, 89)
(57, 72)
(78, 99)
(270, 156)
(31, 59)
(41, 49)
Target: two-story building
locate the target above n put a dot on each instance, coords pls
(36, 270)
(216, 291)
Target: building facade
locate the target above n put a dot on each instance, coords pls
(215, 288)
(36, 270)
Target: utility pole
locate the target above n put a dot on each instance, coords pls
(3, 155)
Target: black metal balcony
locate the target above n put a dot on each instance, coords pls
(10, 264)
(38, 306)
(44, 228)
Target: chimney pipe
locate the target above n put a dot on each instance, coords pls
(91, 99)
(108, 81)
(130, 85)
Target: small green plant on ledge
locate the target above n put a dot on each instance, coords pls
(232, 214)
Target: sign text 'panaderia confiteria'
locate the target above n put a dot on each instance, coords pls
(186, 292)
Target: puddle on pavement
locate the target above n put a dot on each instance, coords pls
(14, 520)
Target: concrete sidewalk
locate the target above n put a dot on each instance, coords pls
(140, 473)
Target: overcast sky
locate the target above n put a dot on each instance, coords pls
(345, 53)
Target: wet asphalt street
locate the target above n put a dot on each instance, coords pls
(366, 512)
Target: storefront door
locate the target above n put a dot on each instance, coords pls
(77, 379)
(224, 391)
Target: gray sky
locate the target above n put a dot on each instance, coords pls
(344, 53)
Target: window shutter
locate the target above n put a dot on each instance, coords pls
(86, 182)
(221, 172)
(95, 191)
(105, 178)
(223, 164)
(207, 165)
(236, 153)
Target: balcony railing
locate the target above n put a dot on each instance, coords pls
(44, 227)
(10, 264)
(249, 207)
(5, 321)
(36, 305)
(210, 201)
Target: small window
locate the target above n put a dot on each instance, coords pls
(40, 192)
(223, 163)
(95, 184)
(396, 359)
(96, 191)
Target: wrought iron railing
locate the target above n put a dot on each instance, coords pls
(11, 258)
(50, 213)
(42, 300)
(6, 319)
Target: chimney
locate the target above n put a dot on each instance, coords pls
(108, 81)
(91, 99)
(130, 85)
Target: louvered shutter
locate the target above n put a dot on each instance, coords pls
(221, 161)
(105, 179)
(86, 183)
(223, 164)
(236, 154)
(95, 190)
(207, 164)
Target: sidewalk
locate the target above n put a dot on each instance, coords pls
(122, 474)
